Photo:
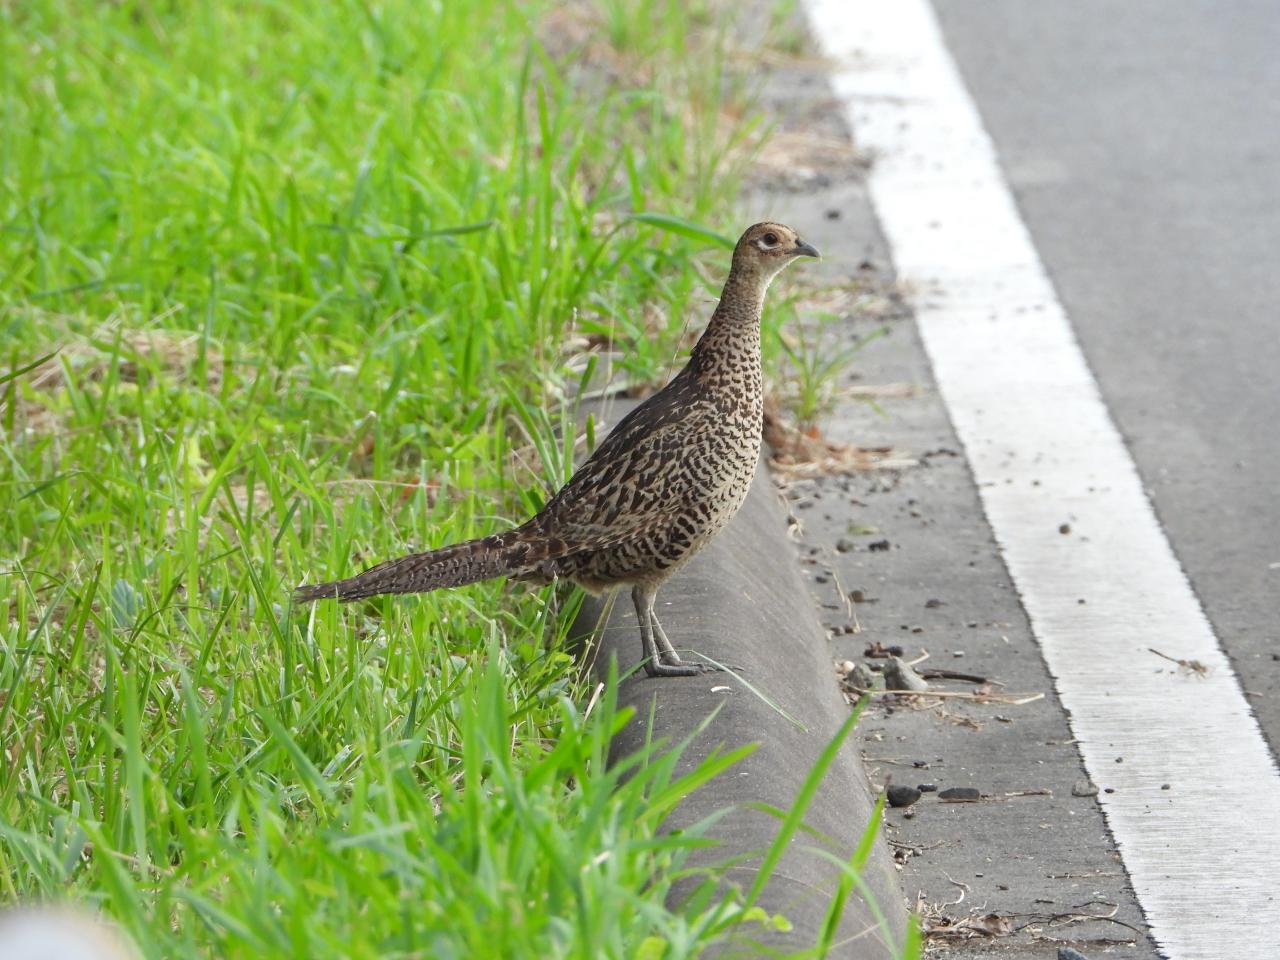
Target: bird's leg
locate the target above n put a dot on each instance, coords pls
(660, 659)
(648, 654)
(665, 650)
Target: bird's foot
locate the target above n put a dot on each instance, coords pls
(672, 666)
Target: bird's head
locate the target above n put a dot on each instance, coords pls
(768, 247)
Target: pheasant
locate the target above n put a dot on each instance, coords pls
(663, 483)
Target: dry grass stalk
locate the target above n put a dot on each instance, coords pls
(89, 358)
(806, 455)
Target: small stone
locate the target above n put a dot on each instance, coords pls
(857, 596)
(933, 603)
(1109, 790)
(898, 675)
(972, 624)
(821, 578)
(1066, 953)
(844, 545)
(1166, 786)
(878, 546)
(927, 787)
(900, 795)
(960, 794)
(957, 654)
(1084, 787)
(861, 677)
(916, 628)
(1064, 528)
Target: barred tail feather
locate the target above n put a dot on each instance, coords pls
(453, 566)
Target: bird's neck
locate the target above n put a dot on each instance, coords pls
(732, 336)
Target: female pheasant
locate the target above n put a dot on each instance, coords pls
(661, 485)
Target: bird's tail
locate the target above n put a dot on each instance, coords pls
(502, 554)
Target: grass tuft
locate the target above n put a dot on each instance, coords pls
(289, 288)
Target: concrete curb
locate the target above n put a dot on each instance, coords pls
(741, 602)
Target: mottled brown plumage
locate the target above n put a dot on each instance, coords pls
(662, 484)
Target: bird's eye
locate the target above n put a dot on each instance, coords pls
(771, 238)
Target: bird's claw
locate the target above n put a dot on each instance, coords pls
(673, 666)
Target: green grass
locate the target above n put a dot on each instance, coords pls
(314, 273)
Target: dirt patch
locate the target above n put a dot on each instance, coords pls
(132, 355)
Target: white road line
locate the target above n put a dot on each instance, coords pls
(1202, 853)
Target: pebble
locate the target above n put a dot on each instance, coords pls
(933, 603)
(844, 545)
(861, 677)
(927, 787)
(878, 545)
(898, 675)
(1066, 953)
(900, 795)
(1084, 788)
(1064, 528)
(960, 793)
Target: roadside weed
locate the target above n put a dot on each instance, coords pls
(289, 288)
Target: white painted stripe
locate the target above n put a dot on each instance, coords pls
(1202, 854)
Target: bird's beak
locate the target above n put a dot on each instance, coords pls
(807, 250)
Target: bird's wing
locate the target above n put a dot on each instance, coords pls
(633, 482)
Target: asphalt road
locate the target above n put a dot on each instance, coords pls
(1142, 141)
(916, 548)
